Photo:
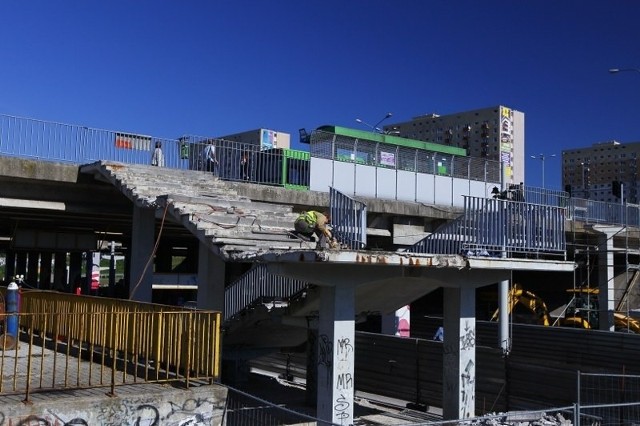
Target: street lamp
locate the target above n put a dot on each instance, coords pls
(541, 157)
(617, 70)
(375, 128)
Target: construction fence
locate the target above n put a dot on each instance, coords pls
(66, 341)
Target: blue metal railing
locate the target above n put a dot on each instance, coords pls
(497, 227)
(349, 217)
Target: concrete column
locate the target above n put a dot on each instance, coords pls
(336, 356)
(45, 270)
(397, 323)
(163, 258)
(10, 268)
(459, 358)
(21, 263)
(142, 241)
(311, 394)
(60, 272)
(606, 298)
(33, 263)
(75, 270)
(504, 339)
(211, 280)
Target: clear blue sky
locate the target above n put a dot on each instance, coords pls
(167, 68)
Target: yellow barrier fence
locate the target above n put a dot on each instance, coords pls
(71, 341)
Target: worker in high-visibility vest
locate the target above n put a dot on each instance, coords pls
(313, 222)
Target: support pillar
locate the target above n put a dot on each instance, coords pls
(75, 270)
(606, 287)
(142, 240)
(163, 258)
(112, 269)
(10, 266)
(60, 272)
(311, 394)
(45, 270)
(503, 317)
(21, 264)
(33, 263)
(211, 280)
(336, 356)
(459, 358)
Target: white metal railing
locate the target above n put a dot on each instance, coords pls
(45, 140)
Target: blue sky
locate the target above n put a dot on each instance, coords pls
(167, 68)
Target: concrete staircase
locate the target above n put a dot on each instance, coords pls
(234, 226)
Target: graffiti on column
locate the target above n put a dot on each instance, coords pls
(325, 351)
(344, 350)
(468, 339)
(467, 375)
(341, 409)
(344, 380)
(467, 391)
(325, 357)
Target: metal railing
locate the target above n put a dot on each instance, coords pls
(258, 286)
(342, 148)
(45, 140)
(497, 227)
(243, 409)
(69, 341)
(611, 399)
(350, 220)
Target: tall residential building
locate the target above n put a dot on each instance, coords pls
(495, 133)
(591, 172)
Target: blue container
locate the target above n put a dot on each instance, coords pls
(12, 309)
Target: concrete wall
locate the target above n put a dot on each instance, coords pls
(134, 405)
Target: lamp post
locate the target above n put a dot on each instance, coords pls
(375, 127)
(541, 157)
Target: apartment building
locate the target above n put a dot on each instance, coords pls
(495, 133)
(592, 172)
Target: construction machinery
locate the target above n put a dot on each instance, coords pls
(518, 295)
(582, 311)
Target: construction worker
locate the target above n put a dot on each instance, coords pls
(312, 222)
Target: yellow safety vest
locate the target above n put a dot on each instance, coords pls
(309, 217)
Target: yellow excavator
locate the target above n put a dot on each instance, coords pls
(518, 295)
(582, 311)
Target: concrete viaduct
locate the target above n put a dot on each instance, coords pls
(51, 208)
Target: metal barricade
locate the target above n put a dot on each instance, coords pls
(349, 220)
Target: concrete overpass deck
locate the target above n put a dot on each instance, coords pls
(137, 204)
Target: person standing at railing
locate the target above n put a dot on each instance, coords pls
(210, 158)
(157, 159)
(244, 166)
